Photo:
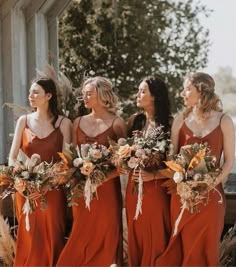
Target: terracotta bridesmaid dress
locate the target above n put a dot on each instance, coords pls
(96, 236)
(42, 244)
(197, 240)
(148, 236)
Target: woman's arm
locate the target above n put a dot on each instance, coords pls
(74, 130)
(120, 128)
(17, 139)
(177, 124)
(66, 128)
(228, 131)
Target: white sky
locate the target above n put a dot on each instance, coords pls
(222, 26)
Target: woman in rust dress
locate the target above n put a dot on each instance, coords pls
(96, 236)
(196, 242)
(148, 235)
(42, 132)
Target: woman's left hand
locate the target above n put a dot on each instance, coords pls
(146, 176)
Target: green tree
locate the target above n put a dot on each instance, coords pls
(126, 40)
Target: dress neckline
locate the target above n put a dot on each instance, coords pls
(96, 136)
(27, 126)
(202, 136)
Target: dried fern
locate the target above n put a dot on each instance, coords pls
(7, 243)
(228, 248)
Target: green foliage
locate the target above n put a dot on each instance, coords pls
(126, 40)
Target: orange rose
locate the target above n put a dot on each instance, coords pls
(125, 151)
(87, 168)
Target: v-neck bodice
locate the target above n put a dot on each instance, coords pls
(101, 138)
(214, 139)
(47, 147)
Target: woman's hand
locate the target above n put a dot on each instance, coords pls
(146, 176)
(123, 171)
(35, 195)
(20, 186)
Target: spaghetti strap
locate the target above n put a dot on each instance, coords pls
(26, 124)
(221, 118)
(113, 122)
(60, 122)
(78, 123)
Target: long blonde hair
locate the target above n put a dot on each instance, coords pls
(105, 93)
(209, 100)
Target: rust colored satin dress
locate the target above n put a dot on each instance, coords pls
(42, 244)
(198, 237)
(148, 236)
(96, 236)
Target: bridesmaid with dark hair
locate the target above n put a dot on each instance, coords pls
(43, 132)
(148, 235)
(197, 240)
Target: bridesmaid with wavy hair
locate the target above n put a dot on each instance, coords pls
(96, 236)
(196, 242)
(148, 235)
(43, 132)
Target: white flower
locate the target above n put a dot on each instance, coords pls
(140, 152)
(162, 145)
(132, 163)
(77, 162)
(178, 177)
(25, 175)
(96, 153)
(122, 142)
(197, 176)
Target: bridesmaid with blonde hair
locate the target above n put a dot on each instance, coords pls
(196, 242)
(96, 236)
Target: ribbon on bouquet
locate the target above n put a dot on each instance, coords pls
(88, 194)
(140, 196)
(27, 210)
(185, 206)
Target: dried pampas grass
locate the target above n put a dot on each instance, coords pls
(228, 248)
(17, 108)
(7, 243)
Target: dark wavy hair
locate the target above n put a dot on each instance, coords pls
(162, 115)
(49, 86)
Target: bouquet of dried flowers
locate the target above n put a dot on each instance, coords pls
(193, 172)
(141, 152)
(33, 176)
(90, 164)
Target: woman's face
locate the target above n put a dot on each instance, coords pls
(90, 96)
(37, 96)
(144, 97)
(190, 94)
